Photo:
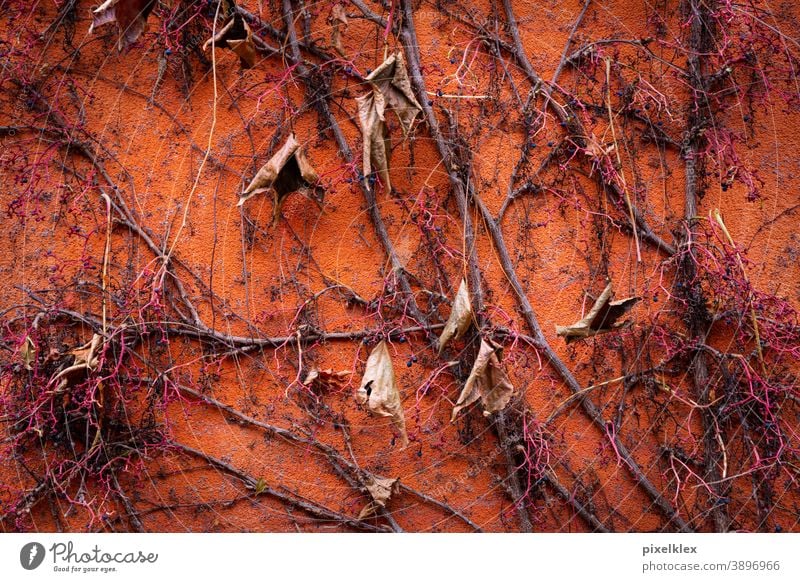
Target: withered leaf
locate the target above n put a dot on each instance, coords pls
(260, 486)
(287, 171)
(390, 88)
(487, 382)
(28, 353)
(602, 317)
(236, 36)
(326, 378)
(377, 144)
(390, 80)
(379, 389)
(460, 317)
(595, 150)
(85, 359)
(129, 15)
(381, 490)
(338, 21)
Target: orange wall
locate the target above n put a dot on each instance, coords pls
(263, 277)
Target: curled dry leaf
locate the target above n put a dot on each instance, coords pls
(602, 317)
(595, 150)
(326, 378)
(381, 490)
(377, 144)
(391, 88)
(487, 382)
(129, 15)
(460, 317)
(286, 172)
(260, 486)
(28, 353)
(390, 80)
(236, 36)
(338, 21)
(379, 389)
(85, 359)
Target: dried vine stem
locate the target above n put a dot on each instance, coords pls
(241, 343)
(541, 344)
(568, 44)
(279, 36)
(580, 508)
(130, 511)
(339, 464)
(699, 322)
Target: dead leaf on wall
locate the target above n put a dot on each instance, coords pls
(487, 382)
(129, 15)
(375, 135)
(85, 359)
(390, 88)
(595, 150)
(460, 317)
(381, 490)
(326, 379)
(260, 486)
(236, 36)
(602, 317)
(28, 353)
(287, 171)
(391, 81)
(338, 21)
(379, 389)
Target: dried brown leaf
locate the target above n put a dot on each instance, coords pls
(391, 81)
(602, 317)
(261, 486)
(338, 21)
(326, 378)
(28, 353)
(287, 171)
(460, 317)
(381, 490)
(379, 389)
(595, 150)
(369, 510)
(487, 382)
(377, 144)
(236, 36)
(129, 15)
(85, 359)
(391, 88)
